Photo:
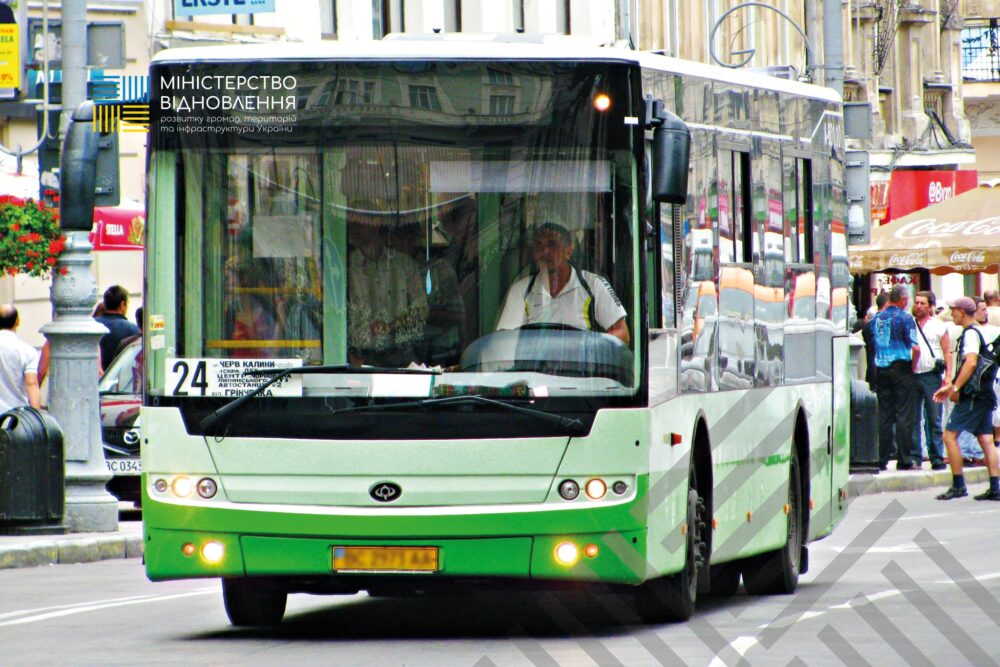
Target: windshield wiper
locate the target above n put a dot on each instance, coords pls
(570, 424)
(223, 413)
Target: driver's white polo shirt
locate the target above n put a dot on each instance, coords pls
(571, 306)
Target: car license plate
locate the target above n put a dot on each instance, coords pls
(124, 466)
(385, 559)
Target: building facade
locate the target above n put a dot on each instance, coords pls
(902, 72)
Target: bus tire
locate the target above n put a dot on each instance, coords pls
(777, 572)
(672, 598)
(249, 603)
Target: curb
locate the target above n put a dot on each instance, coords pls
(867, 484)
(67, 550)
(89, 548)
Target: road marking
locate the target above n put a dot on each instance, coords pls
(874, 597)
(982, 577)
(938, 515)
(910, 548)
(97, 606)
(741, 645)
(22, 612)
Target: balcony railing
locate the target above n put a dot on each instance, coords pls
(981, 50)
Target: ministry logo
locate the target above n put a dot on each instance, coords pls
(121, 104)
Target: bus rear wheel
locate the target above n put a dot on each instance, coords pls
(777, 572)
(250, 603)
(672, 598)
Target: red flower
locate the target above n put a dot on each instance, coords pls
(30, 265)
(51, 261)
(63, 271)
(15, 227)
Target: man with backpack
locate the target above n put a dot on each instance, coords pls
(974, 405)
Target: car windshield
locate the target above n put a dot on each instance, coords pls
(124, 375)
(470, 217)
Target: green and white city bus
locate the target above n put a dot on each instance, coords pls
(334, 403)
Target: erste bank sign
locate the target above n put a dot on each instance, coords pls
(202, 7)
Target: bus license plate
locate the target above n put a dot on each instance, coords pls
(124, 466)
(385, 559)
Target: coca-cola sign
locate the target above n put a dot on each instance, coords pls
(908, 259)
(968, 257)
(931, 228)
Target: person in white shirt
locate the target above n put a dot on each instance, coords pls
(934, 368)
(560, 293)
(18, 365)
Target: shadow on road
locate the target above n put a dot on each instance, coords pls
(469, 616)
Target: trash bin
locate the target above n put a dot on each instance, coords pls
(864, 428)
(32, 494)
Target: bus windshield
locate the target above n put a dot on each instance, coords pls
(470, 217)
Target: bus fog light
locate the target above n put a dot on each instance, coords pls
(207, 487)
(569, 489)
(596, 488)
(619, 487)
(182, 487)
(188, 549)
(591, 551)
(567, 553)
(161, 486)
(212, 552)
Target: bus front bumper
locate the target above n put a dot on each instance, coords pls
(603, 543)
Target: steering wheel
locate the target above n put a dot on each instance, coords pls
(550, 326)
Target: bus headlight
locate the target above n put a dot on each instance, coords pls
(212, 552)
(566, 553)
(207, 487)
(569, 490)
(182, 487)
(596, 488)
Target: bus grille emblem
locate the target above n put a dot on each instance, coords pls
(385, 492)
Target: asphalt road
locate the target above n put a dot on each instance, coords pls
(905, 580)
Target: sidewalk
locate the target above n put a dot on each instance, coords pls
(126, 542)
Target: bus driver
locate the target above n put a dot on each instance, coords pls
(560, 293)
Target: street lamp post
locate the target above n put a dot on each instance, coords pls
(73, 337)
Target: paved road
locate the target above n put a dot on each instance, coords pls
(906, 580)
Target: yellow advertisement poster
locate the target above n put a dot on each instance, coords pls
(10, 56)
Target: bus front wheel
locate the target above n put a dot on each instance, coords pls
(777, 572)
(672, 598)
(250, 603)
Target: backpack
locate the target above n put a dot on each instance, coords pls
(980, 385)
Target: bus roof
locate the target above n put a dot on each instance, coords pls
(466, 46)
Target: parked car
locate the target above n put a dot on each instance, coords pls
(120, 391)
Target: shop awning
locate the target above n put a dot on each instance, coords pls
(959, 235)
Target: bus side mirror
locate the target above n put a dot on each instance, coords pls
(671, 153)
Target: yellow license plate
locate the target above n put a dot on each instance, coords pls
(385, 559)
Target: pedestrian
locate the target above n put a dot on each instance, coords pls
(973, 413)
(933, 369)
(992, 299)
(18, 364)
(115, 308)
(897, 352)
(881, 301)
